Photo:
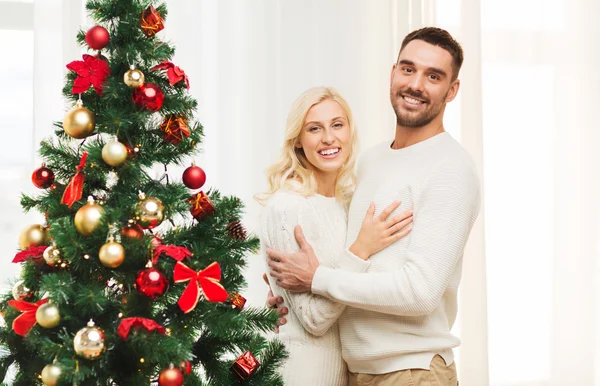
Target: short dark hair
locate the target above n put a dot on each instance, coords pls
(441, 38)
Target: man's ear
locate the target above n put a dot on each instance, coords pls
(453, 91)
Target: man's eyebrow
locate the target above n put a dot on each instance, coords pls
(432, 69)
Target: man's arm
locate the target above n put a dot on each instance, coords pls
(447, 210)
(449, 206)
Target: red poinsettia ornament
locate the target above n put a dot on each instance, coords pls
(91, 71)
(174, 73)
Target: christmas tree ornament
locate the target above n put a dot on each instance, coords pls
(201, 206)
(43, 177)
(151, 22)
(48, 315)
(185, 367)
(149, 212)
(32, 252)
(114, 153)
(174, 73)
(194, 177)
(132, 230)
(51, 375)
(236, 301)
(52, 256)
(25, 322)
(91, 71)
(111, 254)
(170, 377)
(97, 37)
(133, 77)
(148, 97)
(74, 190)
(89, 342)
(89, 217)
(236, 230)
(174, 128)
(245, 366)
(139, 323)
(151, 282)
(204, 282)
(114, 289)
(79, 122)
(33, 236)
(176, 252)
(20, 292)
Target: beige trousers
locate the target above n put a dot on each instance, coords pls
(438, 375)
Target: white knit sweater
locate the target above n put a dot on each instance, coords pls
(402, 308)
(311, 333)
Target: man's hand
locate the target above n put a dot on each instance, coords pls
(275, 302)
(294, 271)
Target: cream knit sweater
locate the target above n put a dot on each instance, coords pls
(402, 308)
(311, 333)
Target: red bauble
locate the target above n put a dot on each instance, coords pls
(170, 377)
(186, 367)
(97, 37)
(43, 177)
(194, 177)
(133, 230)
(151, 282)
(148, 96)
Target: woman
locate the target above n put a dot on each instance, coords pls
(311, 185)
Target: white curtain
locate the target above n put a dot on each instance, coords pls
(536, 105)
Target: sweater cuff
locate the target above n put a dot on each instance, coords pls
(350, 262)
(323, 275)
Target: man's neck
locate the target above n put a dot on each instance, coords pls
(407, 136)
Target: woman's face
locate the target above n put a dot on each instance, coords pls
(325, 137)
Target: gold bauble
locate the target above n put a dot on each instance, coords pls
(79, 123)
(150, 212)
(47, 315)
(133, 78)
(52, 256)
(87, 218)
(89, 342)
(19, 291)
(114, 153)
(111, 254)
(51, 375)
(33, 236)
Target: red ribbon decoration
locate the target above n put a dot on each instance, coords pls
(174, 73)
(92, 71)
(35, 252)
(128, 323)
(74, 190)
(205, 281)
(178, 253)
(25, 322)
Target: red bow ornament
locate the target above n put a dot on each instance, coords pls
(25, 322)
(128, 323)
(174, 73)
(74, 190)
(178, 253)
(202, 282)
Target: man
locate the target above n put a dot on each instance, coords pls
(396, 328)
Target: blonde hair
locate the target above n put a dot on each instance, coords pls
(291, 171)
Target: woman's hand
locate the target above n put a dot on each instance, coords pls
(377, 232)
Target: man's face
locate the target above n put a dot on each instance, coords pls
(421, 83)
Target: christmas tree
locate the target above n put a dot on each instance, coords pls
(132, 280)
